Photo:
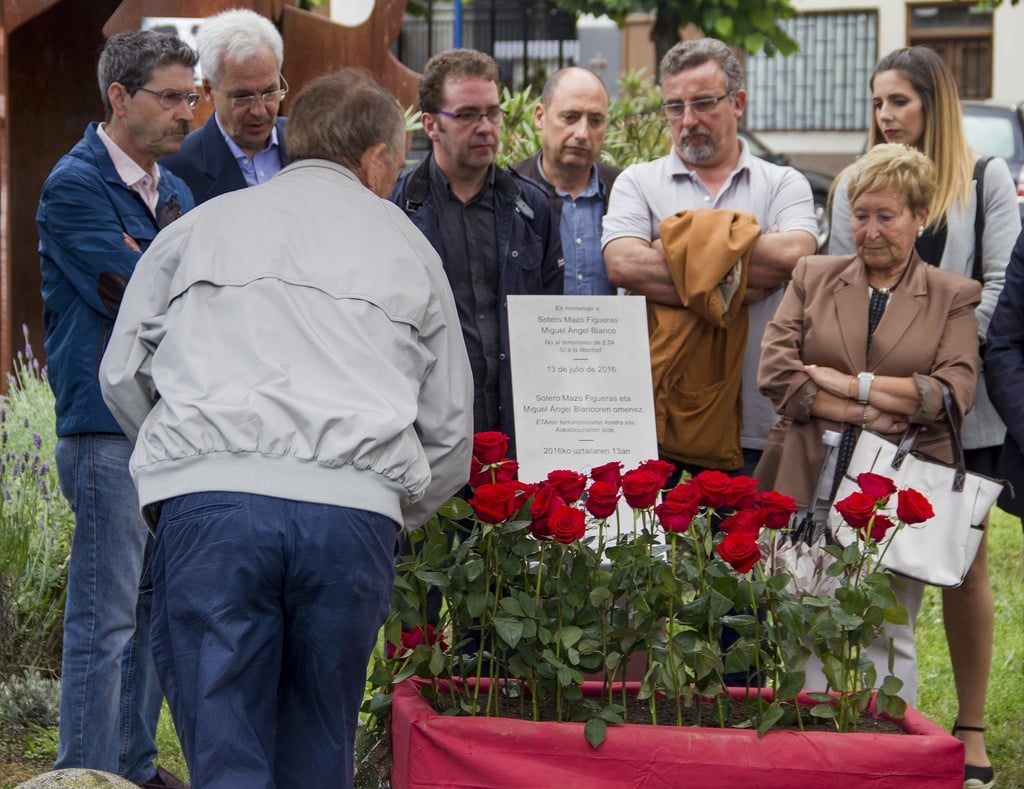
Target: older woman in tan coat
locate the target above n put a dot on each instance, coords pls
(827, 365)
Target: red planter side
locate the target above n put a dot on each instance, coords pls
(431, 750)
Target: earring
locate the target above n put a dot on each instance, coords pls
(920, 231)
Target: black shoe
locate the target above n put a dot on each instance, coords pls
(164, 780)
(976, 777)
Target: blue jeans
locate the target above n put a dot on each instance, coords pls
(109, 696)
(265, 612)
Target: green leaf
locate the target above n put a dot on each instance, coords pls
(595, 730)
(476, 604)
(792, 683)
(437, 661)
(473, 569)
(380, 705)
(769, 718)
(570, 634)
(509, 630)
(433, 578)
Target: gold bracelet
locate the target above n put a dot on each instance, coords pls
(864, 419)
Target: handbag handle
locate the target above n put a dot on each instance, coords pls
(953, 420)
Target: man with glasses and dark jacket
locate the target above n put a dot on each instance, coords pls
(242, 144)
(100, 208)
(572, 116)
(494, 229)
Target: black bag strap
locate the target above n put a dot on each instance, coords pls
(953, 420)
(979, 215)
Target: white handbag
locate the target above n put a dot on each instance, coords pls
(939, 551)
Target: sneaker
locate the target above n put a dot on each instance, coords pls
(164, 780)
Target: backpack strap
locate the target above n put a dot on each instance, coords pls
(979, 214)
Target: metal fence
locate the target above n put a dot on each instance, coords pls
(528, 40)
(822, 87)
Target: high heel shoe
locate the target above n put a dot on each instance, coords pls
(976, 777)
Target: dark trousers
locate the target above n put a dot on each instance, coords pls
(265, 613)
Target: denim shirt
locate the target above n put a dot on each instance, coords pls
(580, 228)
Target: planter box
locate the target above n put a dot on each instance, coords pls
(431, 750)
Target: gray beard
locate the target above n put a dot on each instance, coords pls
(696, 154)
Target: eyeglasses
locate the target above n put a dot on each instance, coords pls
(467, 118)
(677, 109)
(169, 99)
(248, 100)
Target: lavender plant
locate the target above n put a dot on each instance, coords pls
(35, 524)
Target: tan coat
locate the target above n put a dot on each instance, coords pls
(697, 349)
(928, 331)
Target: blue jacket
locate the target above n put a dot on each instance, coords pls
(529, 250)
(206, 164)
(1004, 376)
(85, 211)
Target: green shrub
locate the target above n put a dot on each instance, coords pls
(35, 525)
(32, 699)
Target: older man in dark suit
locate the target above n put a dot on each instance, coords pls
(242, 144)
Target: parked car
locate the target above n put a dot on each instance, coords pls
(820, 183)
(997, 129)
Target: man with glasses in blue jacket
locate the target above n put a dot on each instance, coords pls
(100, 208)
(242, 144)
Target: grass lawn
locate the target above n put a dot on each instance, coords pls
(1005, 709)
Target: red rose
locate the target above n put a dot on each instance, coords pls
(567, 524)
(913, 507)
(857, 509)
(641, 488)
(679, 508)
(570, 484)
(879, 526)
(506, 470)
(776, 509)
(715, 488)
(490, 446)
(609, 472)
(503, 471)
(602, 498)
(663, 468)
(740, 550)
(742, 492)
(413, 638)
(495, 501)
(743, 521)
(545, 500)
(876, 486)
(479, 474)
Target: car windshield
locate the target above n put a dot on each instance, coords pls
(990, 134)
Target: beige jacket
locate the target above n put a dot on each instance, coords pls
(697, 349)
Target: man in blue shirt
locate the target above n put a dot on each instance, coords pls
(572, 116)
(242, 144)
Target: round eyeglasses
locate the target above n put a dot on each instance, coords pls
(169, 99)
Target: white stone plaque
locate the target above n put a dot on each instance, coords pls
(581, 374)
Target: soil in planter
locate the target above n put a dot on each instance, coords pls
(639, 711)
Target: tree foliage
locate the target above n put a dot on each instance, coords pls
(753, 25)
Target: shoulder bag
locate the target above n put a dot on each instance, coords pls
(939, 551)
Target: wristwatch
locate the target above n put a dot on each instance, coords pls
(864, 386)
